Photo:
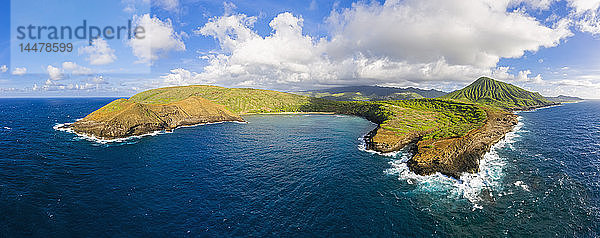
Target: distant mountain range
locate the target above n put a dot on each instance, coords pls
(484, 90)
(564, 99)
(492, 92)
(372, 93)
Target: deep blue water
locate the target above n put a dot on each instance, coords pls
(282, 175)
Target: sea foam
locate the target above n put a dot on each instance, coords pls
(476, 188)
(127, 140)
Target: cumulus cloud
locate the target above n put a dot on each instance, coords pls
(419, 31)
(398, 42)
(3, 69)
(75, 68)
(582, 6)
(19, 71)
(98, 80)
(158, 39)
(99, 53)
(54, 73)
(57, 81)
(534, 4)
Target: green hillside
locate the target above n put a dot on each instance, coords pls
(238, 100)
(492, 92)
(435, 118)
(372, 93)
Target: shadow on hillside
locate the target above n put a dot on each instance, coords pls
(372, 111)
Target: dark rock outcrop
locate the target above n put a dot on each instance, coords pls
(451, 156)
(455, 156)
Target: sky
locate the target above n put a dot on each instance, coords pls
(549, 46)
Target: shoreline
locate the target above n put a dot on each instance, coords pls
(450, 156)
(292, 113)
(460, 155)
(66, 127)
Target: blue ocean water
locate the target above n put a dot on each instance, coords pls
(289, 175)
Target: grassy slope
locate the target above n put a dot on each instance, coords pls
(239, 100)
(358, 96)
(372, 93)
(434, 117)
(488, 91)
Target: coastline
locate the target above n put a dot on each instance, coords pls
(453, 156)
(292, 113)
(66, 127)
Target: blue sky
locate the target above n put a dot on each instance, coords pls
(548, 46)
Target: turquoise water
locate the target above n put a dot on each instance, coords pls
(289, 175)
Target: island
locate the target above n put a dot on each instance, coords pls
(448, 134)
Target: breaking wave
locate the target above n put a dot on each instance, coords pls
(64, 127)
(476, 188)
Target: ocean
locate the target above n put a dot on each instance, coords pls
(289, 176)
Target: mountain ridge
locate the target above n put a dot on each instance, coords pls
(564, 99)
(447, 135)
(489, 91)
(372, 93)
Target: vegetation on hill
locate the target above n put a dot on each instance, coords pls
(488, 91)
(123, 118)
(238, 100)
(372, 93)
(448, 134)
(432, 118)
(564, 99)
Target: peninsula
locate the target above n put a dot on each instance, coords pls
(448, 134)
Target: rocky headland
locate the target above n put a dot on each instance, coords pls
(123, 118)
(448, 135)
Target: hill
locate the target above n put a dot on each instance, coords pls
(162, 109)
(447, 136)
(238, 100)
(495, 93)
(372, 93)
(564, 99)
(123, 118)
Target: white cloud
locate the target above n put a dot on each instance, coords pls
(398, 42)
(180, 77)
(3, 68)
(54, 83)
(54, 73)
(159, 39)
(535, 4)
(76, 69)
(521, 77)
(582, 6)
(19, 71)
(169, 5)
(98, 80)
(419, 31)
(99, 53)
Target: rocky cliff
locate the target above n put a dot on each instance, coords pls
(449, 156)
(455, 156)
(123, 118)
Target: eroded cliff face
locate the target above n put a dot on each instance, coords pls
(123, 118)
(452, 156)
(455, 156)
(386, 141)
